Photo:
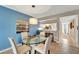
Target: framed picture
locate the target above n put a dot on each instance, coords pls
(72, 24)
(22, 26)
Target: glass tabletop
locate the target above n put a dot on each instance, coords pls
(35, 40)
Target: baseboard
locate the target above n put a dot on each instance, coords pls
(5, 50)
(8, 49)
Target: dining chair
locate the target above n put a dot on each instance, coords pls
(42, 34)
(24, 36)
(18, 49)
(44, 48)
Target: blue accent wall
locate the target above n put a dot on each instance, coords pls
(8, 19)
(33, 29)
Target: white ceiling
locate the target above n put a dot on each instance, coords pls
(43, 10)
(68, 18)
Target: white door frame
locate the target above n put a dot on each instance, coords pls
(76, 29)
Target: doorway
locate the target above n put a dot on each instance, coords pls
(68, 30)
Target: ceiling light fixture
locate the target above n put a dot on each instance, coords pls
(33, 21)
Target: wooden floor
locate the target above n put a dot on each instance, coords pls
(64, 47)
(56, 48)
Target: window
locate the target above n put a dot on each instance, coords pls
(44, 25)
(54, 26)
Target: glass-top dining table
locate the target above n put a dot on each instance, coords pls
(35, 40)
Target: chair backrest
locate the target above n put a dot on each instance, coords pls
(13, 44)
(42, 34)
(24, 35)
(47, 44)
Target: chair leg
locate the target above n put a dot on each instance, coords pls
(29, 51)
(48, 51)
(35, 52)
